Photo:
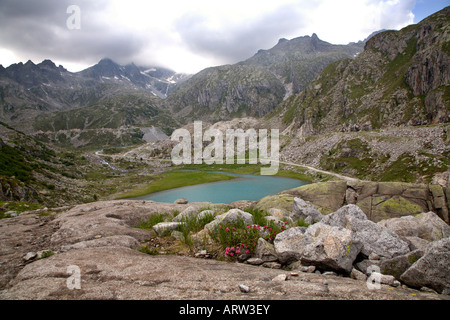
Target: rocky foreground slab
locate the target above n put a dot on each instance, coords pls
(101, 242)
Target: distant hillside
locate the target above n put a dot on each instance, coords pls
(115, 121)
(33, 172)
(401, 79)
(256, 86)
(106, 104)
(158, 81)
(29, 90)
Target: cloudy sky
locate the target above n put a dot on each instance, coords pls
(186, 35)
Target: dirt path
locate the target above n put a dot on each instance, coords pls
(340, 176)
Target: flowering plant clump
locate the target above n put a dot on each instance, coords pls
(243, 239)
(233, 251)
(232, 237)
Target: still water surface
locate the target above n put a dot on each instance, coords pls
(245, 187)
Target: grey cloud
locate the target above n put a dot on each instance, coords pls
(38, 29)
(234, 43)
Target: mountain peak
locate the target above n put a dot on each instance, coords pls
(47, 63)
(29, 63)
(106, 61)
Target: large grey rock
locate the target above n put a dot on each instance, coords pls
(29, 256)
(265, 251)
(289, 244)
(366, 265)
(181, 201)
(230, 218)
(433, 269)
(379, 240)
(330, 247)
(358, 275)
(328, 195)
(373, 237)
(431, 227)
(427, 226)
(416, 243)
(278, 213)
(255, 261)
(398, 265)
(404, 226)
(340, 217)
(234, 215)
(164, 228)
(306, 211)
(280, 201)
(187, 213)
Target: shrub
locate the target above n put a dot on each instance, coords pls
(258, 216)
(242, 238)
(150, 251)
(46, 254)
(194, 224)
(301, 223)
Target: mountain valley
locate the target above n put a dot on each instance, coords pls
(376, 110)
(364, 139)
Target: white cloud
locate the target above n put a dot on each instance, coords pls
(7, 57)
(341, 22)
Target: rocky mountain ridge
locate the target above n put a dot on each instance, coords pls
(159, 81)
(257, 85)
(401, 79)
(31, 93)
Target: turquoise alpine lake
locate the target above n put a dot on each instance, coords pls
(245, 187)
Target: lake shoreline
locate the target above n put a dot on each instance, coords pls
(170, 180)
(240, 187)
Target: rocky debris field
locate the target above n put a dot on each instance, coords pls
(339, 256)
(425, 148)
